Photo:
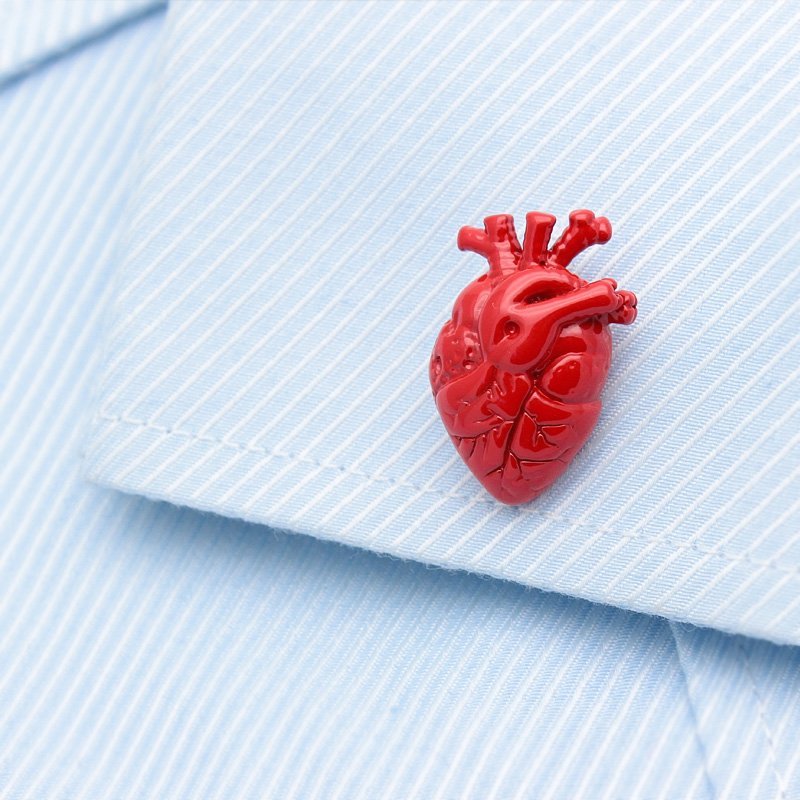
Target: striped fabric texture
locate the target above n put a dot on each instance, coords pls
(150, 651)
(290, 256)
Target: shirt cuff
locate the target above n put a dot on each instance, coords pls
(291, 256)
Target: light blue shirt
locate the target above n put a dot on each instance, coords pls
(228, 239)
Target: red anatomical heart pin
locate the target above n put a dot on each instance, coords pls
(518, 371)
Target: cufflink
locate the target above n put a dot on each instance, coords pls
(518, 370)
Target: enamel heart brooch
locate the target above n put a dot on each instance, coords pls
(518, 370)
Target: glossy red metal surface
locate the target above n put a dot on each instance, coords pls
(518, 370)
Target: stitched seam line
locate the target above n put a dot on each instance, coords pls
(718, 553)
(762, 716)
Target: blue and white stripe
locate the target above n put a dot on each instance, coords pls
(154, 651)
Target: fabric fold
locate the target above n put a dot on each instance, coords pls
(290, 256)
(33, 32)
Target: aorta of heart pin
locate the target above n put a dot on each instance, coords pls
(518, 370)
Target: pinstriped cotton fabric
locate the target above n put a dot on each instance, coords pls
(149, 651)
(153, 652)
(290, 257)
